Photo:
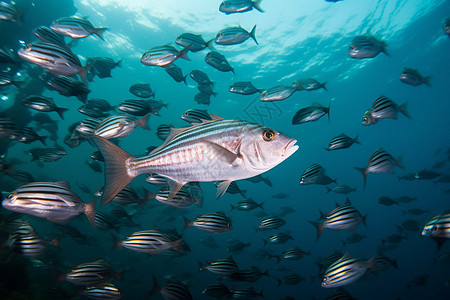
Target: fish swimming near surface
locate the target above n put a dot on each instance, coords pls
(194, 42)
(366, 46)
(76, 28)
(446, 26)
(413, 77)
(235, 36)
(163, 56)
(218, 61)
(277, 93)
(308, 84)
(239, 6)
(244, 88)
(384, 108)
(214, 150)
(311, 113)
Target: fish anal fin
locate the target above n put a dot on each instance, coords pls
(222, 188)
(174, 188)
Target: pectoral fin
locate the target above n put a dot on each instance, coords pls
(221, 153)
(222, 188)
(174, 187)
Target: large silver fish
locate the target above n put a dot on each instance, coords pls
(214, 150)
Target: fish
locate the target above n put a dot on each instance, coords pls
(271, 223)
(413, 77)
(76, 28)
(7, 126)
(217, 290)
(189, 194)
(246, 293)
(438, 227)
(142, 90)
(419, 280)
(253, 150)
(405, 199)
(174, 289)
(234, 36)
(136, 108)
(311, 113)
(155, 179)
(236, 246)
(91, 273)
(342, 141)
(206, 89)
(119, 126)
(87, 126)
(415, 211)
(249, 275)
(244, 88)
(223, 266)
(239, 6)
(393, 239)
(151, 242)
(260, 178)
(294, 253)
(426, 174)
(446, 26)
(246, 205)
(56, 59)
(68, 86)
(343, 217)
(30, 245)
(53, 201)
(382, 263)
(6, 57)
(194, 115)
(43, 104)
(366, 46)
(277, 93)
(200, 77)
(380, 162)
(163, 131)
(291, 279)
(27, 135)
(103, 291)
(9, 12)
(341, 189)
(105, 222)
(92, 112)
(73, 232)
(309, 84)
(387, 201)
(176, 73)
(315, 174)
(47, 35)
(344, 271)
(202, 98)
(194, 42)
(218, 61)
(100, 104)
(353, 239)
(50, 154)
(7, 80)
(211, 222)
(163, 56)
(129, 196)
(384, 108)
(21, 176)
(233, 188)
(101, 67)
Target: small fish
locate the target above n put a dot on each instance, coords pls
(315, 174)
(163, 131)
(6, 58)
(380, 162)
(30, 245)
(103, 291)
(92, 273)
(50, 154)
(387, 201)
(173, 290)
(217, 290)
(418, 281)
(7, 126)
(176, 73)
(393, 239)
(194, 116)
(9, 12)
(139, 108)
(105, 222)
(73, 232)
(277, 93)
(163, 56)
(382, 263)
(413, 77)
(119, 126)
(308, 84)
(342, 141)
(223, 266)
(291, 279)
(415, 211)
(366, 46)
(101, 67)
(246, 293)
(311, 113)
(294, 253)
(152, 242)
(189, 194)
(249, 275)
(409, 225)
(43, 104)
(27, 135)
(354, 238)
(202, 98)
(271, 223)
(87, 126)
(6, 80)
(142, 90)
(211, 222)
(384, 108)
(233, 188)
(344, 271)
(247, 205)
(194, 42)
(47, 35)
(260, 178)
(405, 199)
(426, 174)
(76, 28)
(92, 112)
(200, 77)
(244, 88)
(218, 61)
(446, 26)
(239, 6)
(278, 238)
(237, 246)
(341, 189)
(68, 86)
(155, 179)
(21, 176)
(235, 36)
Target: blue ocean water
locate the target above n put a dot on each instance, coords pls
(297, 39)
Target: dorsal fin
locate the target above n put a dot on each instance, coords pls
(63, 184)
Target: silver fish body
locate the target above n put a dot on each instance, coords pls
(413, 77)
(344, 271)
(163, 56)
(234, 36)
(277, 93)
(119, 126)
(76, 28)
(239, 6)
(366, 46)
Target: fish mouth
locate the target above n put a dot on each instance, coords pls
(290, 148)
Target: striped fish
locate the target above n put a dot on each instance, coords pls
(217, 290)
(58, 60)
(340, 294)
(142, 90)
(163, 56)
(308, 84)
(235, 36)
(103, 291)
(294, 253)
(31, 245)
(216, 150)
(206, 88)
(438, 227)
(278, 238)
(210, 222)
(194, 115)
(291, 279)
(105, 222)
(344, 217)
(247, 204)
(44, 104)
(233, 188)
(174, 290)
(315, 174)
(27, 135)
(223, 266)
(218, 61)
(200, 77)
(128, 196)
(271, 223)
(277, 93)
(366, 46)
(186, 196)
(176, 73)
(380, 162)
(342, 141)
(384, 108)
(163, 131)
(47, 154)
(119, 126)
(9, 12)
(244, 88)
(194, 42)
(73, 232)
(7, 126)
(92, 273)
(382, 263)
(92, 112)
(341, 189)
(87, 126)
(68, 86)
(311, 113)
(344, 271)
(246, 293)
(47, 35)
(260, 178)
(152, 242)
(239, 6)
(53, 201)
(76, 28)
(155, 179)
(249, 275)
(135, 107)
(202, 98)
(325, 262)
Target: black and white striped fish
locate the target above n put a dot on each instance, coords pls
(344, 271)
(53, 201)
(366, 46)
(438, 227)
(239, 6)
(246, 205)
(271, 223)
(342, 141)
(68, 86)
(235, 36)
(315, 174)
(49, 154)
(311, 113)
(217, 290)
(87, 126)
(380, 162)
(133, 107)
(44, 104)
(277, 93)
(189, 194)
(163, 131)
(72, 232)
(344, 217)
(163, 56)
(142, 90)
(152, 242)
(92, 273)
(246, 293)
(381, 263)
(104, 221)
(176, 73)
(7, 126)
(174, 290)
(76, 28)
(383, 108)
(47, 35)
(119, 126)
(9, 12)
(211, 222)
(194, 115)
(58, 60)
(278, 238)
(194, 42)
(107, 291)
(27, 135)
(155, 179)
(218, 61)
(92, 112)
(128, 196)
(222, 266)
(294, 253)
(30, 245)
(244, 88)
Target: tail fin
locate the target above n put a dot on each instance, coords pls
(328, 113)
(116, 170)
(403, 109)
(399, 162)
(42, 139)
(177, 245)
(184, 79)
(319, 227)
(426, 80)
(143, 122)
(210, 44)
(156, 287)
(89, 211)
(364, 173)
(60, 111)
(252, 34)
(328, 189)
(257, 6)
(232, 207)
(183, 54)
(100, 31)
(187, 223)
(323, 86)
(260, 205)
(356, 140)
(119, 63)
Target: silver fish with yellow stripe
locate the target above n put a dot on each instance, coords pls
(120, 126)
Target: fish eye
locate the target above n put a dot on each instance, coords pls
(353, 47)
(268, 135)
(434, 229)
(186, 113)
(325, 279)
